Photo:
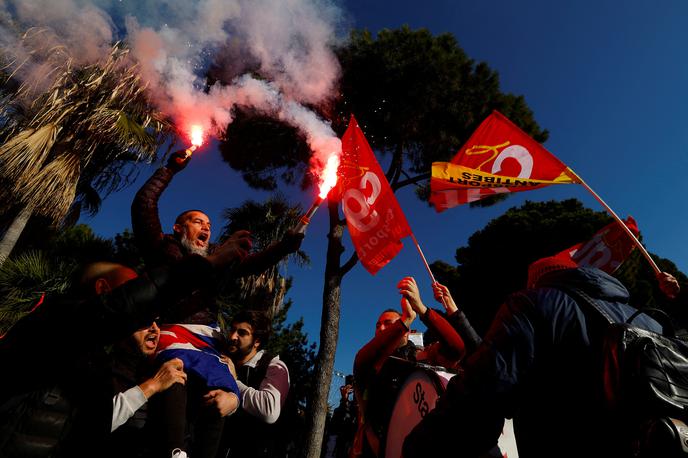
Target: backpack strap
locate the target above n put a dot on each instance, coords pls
(583, 298)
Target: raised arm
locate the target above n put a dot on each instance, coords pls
(447, 334)
(145, 219)
(457, 318)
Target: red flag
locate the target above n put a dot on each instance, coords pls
(499, 157)
(373, 216)
(606, 250)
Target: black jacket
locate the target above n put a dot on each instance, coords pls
(536, 365)
(56, 367)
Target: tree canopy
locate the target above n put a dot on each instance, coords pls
(417, 97)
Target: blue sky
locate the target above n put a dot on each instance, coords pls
(607, 79)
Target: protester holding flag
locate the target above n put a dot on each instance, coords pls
(391, 339)
(536, 365)
(452, 348)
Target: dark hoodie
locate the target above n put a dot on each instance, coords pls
(536, 365)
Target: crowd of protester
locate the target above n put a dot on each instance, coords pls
(135, 364)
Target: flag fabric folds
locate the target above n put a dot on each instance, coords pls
(606, 250)
(499, 157)
(373, 216)
(196, 345)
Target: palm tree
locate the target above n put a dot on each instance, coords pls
(72, 139)
(268, 222)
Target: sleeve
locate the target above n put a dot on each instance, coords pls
(138, 302)
(470, 416)
(257, 263)
(448, 335)
(125, 404)
(370, 358)
(460, 323)
(145, 221)
(266, 402)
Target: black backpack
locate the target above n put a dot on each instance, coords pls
(645, 380)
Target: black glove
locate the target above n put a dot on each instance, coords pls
(178, 160)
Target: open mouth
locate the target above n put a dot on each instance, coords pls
(151, 341)
(202, 238)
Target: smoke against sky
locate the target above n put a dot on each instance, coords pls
(287, 42)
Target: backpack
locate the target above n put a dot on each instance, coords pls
(645, 380)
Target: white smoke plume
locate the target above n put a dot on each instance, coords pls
(289, 42)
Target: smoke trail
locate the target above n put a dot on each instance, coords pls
(287, 41)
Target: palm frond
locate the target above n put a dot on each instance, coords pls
(24, 279)
(52, 191)
(25, 154)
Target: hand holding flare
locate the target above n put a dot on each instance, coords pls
(327, 181)
(196, 135)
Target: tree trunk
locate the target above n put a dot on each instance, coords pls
(11, 235)
(329, 333)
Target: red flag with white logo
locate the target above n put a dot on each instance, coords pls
(606, 250)
(499, 157)
(373, 216)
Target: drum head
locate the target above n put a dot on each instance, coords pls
(416, 398)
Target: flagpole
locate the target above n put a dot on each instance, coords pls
(422, 256)
(620, 221)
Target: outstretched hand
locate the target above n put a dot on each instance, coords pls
(235, 248)
(178, 160)
(668, 284)
(444, 297)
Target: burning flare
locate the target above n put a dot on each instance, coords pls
(196, 135)
(328, 178)
(329, 175)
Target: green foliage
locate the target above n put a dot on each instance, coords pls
(268, 222)
(265, 150)
(291, 343)
(24, 279)
(495, 262)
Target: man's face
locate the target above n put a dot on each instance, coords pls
(147, 339)
(194, 232)
(241, 340)
(385, 321)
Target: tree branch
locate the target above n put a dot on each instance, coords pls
(416, 179)
(348, 265)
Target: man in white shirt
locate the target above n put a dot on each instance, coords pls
(263, 381)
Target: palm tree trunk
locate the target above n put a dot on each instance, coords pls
(329, 333)
(11, 235)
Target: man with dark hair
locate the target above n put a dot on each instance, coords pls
(391, 339)
(537, 364)
(263, 381)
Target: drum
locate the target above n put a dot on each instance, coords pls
(417, 397)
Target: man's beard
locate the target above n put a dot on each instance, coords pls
(239, 352)
(191, 247)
